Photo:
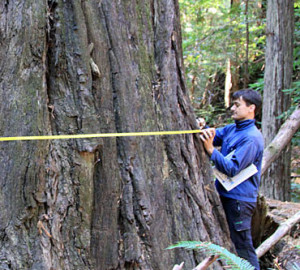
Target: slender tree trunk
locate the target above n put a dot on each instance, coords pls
(70, 67)
(246, 64)
(232, 64)
(278, 76)
(228, 84)
(235, 61)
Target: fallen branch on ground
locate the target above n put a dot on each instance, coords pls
(202, 266)
(207, 262)
(178, 267)
(282, 230)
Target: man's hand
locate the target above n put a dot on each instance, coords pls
(207, 136)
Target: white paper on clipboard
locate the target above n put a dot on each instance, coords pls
(231, 182)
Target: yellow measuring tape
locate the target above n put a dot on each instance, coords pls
(99, 135)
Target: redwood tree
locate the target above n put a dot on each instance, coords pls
(71, 67)
(278, 76)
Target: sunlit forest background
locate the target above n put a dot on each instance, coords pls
(224, 50)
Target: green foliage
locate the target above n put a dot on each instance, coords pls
(233, 261)
(215, 31)
(295, 192)
(258, 85)
(296, 64)
(210, 112)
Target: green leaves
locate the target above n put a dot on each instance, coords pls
(233, 261)
(213, 32)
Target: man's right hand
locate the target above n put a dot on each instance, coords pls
(207, 136)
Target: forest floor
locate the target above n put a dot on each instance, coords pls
(286, 253)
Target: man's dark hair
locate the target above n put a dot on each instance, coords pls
(250, 96)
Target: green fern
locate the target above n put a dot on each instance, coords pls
(233, 261)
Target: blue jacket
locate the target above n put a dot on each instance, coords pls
(248, 143)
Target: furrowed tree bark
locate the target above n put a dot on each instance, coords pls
(278, 76)
(281, 140)
(71, 67)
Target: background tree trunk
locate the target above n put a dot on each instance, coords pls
(111, 203)
(278, 76)
(246, 63)
(232, 64)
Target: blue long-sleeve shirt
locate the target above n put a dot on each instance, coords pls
(248, 143)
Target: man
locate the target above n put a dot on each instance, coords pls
(247, 142)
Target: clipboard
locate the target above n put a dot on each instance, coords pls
(230, 183)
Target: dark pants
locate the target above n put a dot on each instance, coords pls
(239, 216)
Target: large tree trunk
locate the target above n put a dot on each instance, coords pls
(111, 203)
(278, 76)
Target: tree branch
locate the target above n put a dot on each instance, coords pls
(178, 267)
(207, 262)
(281, 140)
(282, 230)
(202, 266)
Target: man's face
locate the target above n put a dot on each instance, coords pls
(240, 110)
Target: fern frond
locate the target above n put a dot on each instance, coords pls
(233, 261)
(295, 266)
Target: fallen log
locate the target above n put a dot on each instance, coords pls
(281, 140)
(282, 230)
